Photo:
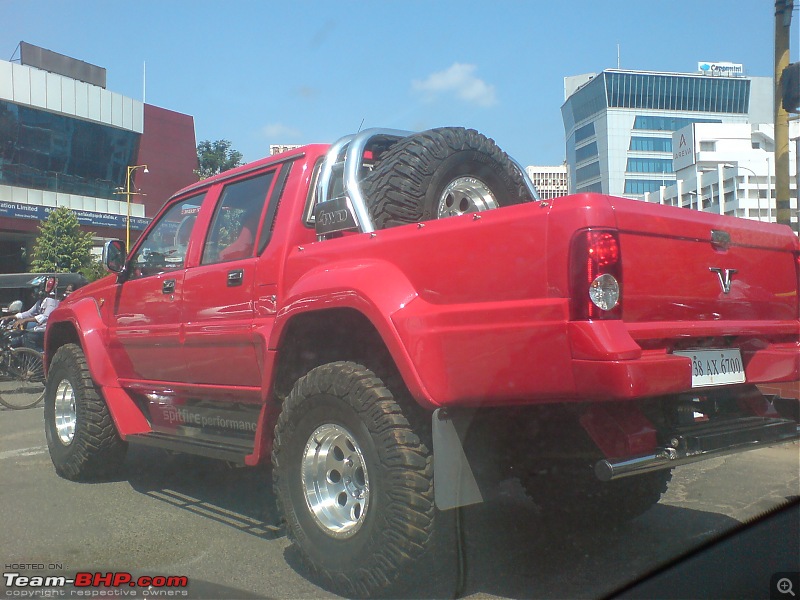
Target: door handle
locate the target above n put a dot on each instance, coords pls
(168, 287)
(235, 277)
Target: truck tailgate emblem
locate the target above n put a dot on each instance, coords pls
(725, 277)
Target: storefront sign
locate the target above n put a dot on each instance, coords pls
(33, 212)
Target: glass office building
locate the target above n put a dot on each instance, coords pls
(619, 124)
(59, 153)
(68, 142)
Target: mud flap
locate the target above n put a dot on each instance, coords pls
(454, 482)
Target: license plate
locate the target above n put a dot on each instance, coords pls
(715, 367)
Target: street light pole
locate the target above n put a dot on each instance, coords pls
(783, 19)
(758, 187)
(128, 193)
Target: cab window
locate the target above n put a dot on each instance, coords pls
(232, 235)
(164, 248)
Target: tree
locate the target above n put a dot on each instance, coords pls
(61, 246)
(216, 157)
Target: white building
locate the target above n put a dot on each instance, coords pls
(278, 148)
(550, 182)
(619, 123)
(741, 157)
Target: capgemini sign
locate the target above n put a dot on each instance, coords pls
(721, 69)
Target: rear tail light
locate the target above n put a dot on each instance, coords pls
(595, 272)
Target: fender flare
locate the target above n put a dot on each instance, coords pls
(375, 288)
(81, 323)
(85, 320)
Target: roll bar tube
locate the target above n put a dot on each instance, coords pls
(353, 146)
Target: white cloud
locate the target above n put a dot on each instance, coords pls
(280, 131)
(460, 81)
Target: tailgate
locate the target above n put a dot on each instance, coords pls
(701, 273)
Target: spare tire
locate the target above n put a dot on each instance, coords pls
(440, 173)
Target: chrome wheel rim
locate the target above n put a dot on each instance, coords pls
(335, 481)
(65, 413)
(465, 195)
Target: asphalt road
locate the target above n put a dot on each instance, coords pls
(185, 516)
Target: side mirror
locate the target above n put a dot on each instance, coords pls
(114, 256)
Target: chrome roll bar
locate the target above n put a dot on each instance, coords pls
(347, 155)
(353, 146)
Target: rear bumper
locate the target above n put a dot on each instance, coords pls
(702, 443)
(659, 373)
(525, 352)
(651, 375)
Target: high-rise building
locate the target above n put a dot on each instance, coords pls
(619, 123)
(65, 140)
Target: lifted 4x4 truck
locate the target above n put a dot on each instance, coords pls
(316, 311)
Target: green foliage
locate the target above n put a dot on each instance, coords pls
(230, 226)
(61, 246)
(216, 157)
(95, 270)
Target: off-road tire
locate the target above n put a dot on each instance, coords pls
(410, 179)
(397, 522)
(577, 497)
(95, 450)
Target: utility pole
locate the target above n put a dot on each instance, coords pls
(783, 19)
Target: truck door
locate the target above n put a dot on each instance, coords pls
(220, 346)
(145, 323)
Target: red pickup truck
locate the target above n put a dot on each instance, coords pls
(316, 310)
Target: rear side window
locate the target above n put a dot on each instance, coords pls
(232, 235)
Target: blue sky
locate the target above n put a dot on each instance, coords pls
(266, 72)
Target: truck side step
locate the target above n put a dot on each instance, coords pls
(230, 452)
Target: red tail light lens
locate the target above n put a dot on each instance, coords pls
(595, 271)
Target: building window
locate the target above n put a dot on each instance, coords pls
(638, 187)
(708, 146)
(657, 123)
(649, 165)
(676, 92)
(651, 144)
(588, 172)
(584, 132)
(586, 152)
(48, 151)
(594, 187)
(580, 106)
